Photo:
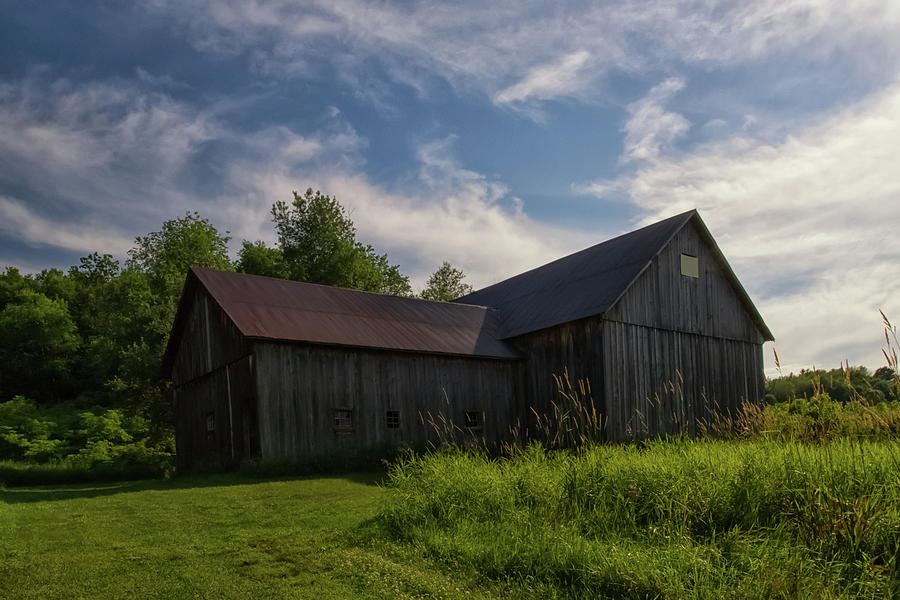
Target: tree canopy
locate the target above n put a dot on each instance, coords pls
(39, 340)
(446, 284)
(317, 243)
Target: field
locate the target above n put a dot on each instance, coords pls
(213, 537)
(674, 519)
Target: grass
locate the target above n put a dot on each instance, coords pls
(670, 519)
(667, 519)
(211, 537)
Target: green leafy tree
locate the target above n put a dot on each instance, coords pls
(39, 341)
(165, 256)
(256, 258)
(13, 284)
(113, 309)
(446, 284)
(94, 281)
(55, 284)
(150, 287)
(318, 244)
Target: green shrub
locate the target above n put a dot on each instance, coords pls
(67, 442)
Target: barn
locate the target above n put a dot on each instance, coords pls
(655, 320)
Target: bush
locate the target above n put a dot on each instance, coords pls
(66, 441)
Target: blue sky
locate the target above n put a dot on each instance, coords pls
(494, 135)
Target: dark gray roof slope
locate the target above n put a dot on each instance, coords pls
(589, 282)
(276, 309)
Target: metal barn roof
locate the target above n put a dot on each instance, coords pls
(590, 282)
(292, 311)
(587, 283)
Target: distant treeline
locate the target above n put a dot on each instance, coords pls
(842, 385)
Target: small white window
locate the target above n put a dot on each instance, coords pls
(690, 266)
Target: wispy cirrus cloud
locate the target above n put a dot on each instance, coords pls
(514, 51)
(121, 159)
(650, 127)
(16, 219)
(545, 82)
(446, 212)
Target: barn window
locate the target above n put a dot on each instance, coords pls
(690, 266)
(211, 426)
(392, 417)
(343, 418)
(473, 419)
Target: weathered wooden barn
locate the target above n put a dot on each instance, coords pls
(654, 319)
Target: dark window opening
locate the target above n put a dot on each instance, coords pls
(211, 427)
(343, 419)
(473, 419)
(392, 418)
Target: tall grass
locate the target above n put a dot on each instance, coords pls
(677, 519)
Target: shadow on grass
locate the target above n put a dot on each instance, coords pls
(49, 493)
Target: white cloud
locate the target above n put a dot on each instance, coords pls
(90, 140)
(808, 223)
(16, 220)
(511, 50)
(446, 213)
(545, 82)
(107, 161)
(650, 128)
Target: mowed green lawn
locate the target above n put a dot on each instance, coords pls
(210, 537)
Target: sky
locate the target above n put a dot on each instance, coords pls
(497, 136)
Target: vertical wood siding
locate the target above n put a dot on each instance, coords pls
(226, 393)
(676, 348)
(212, 373)
(663, 382)
(664, 298)
(299, 387)
(575, 348)
(208, 341)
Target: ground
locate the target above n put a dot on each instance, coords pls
(212, 537)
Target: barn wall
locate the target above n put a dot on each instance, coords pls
(212, 375)
(208, 340)
(660, 382)
(299, 387)
(575, 348)
(223, 398)
(664, 298)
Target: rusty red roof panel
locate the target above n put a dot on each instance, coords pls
(277, 309)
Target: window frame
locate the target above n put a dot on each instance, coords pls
(211, 427)
(343, 418)
(392, 418)
(690, 265)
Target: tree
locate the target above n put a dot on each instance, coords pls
(446, 284)
(165, 256)
(884, 374)
(39, 340)
(318, 244)
(13, 284)
(256, 258)
(55, 284)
